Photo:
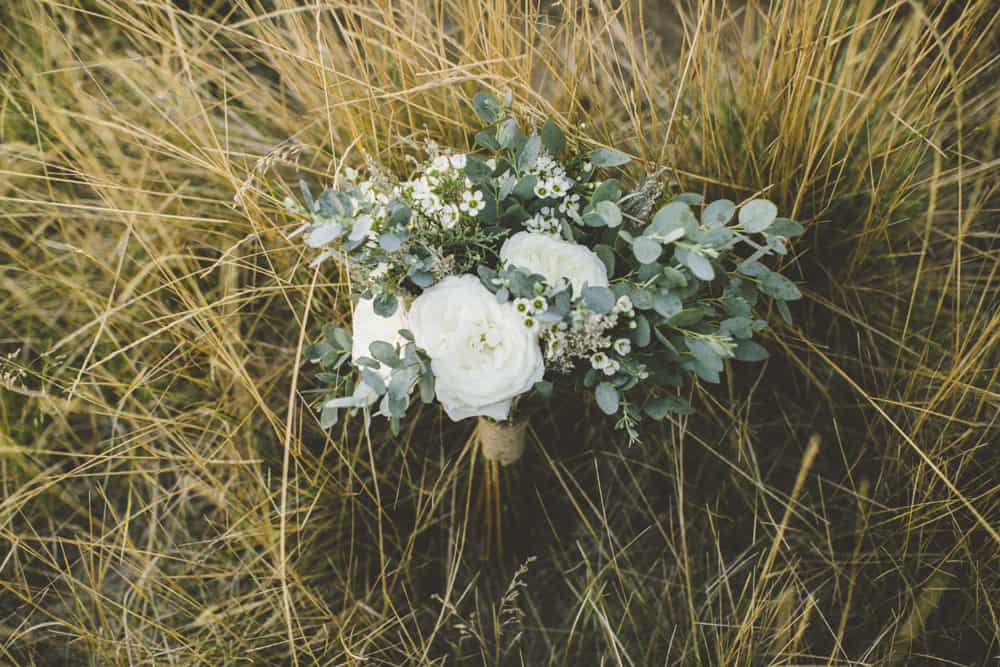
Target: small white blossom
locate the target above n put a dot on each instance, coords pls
(611, 367)
(440, 163)
(522, 306)
(624, 304)
(599, 360)
(472, 202)
(623, 346)
(449, 216)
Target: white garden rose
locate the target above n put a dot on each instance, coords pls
(368, 327)
(555, 259)
(481, 352)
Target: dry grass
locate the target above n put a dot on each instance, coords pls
(168, 496)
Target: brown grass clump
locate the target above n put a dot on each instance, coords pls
(168, 497)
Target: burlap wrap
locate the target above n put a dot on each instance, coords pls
(502, 442)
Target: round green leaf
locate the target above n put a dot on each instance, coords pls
(757, 215)
(607, 398)
(646, 250)
(718, 213)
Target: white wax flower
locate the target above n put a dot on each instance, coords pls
(555, 259)
(482, 354)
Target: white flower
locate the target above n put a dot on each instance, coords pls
(599, 360)
(368, 327)
(449, 216)
(458, 161)
(440, 163)
(482, 354)
(472, 202)
(612, 367)
(624, 304)
(623, 346)
(555, 259)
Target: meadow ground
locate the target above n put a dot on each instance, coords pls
(168, 497)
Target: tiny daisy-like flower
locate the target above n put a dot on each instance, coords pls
(472, 202)
(623, 346)
(555, 186)
(599, 360)
(440, 163)
(458, 161)
(612, 367)
(522, 306)
(531, 323)
(539, 304)
(542, 189)
(449, 216)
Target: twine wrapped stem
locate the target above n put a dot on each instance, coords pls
(501, 442)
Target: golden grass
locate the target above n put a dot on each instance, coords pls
(168, 496)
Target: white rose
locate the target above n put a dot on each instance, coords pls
(481, 352)
(555, 259)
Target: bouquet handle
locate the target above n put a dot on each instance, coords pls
(501, 442)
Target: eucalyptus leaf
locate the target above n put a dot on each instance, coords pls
(646, 250)
(507, 132)
(786, 228)
(323, 234)
(642, 335)
(390, 242)
(687, 317)
(607, 398)
(506, 184)
(699, 265)
(328, 417)
(610, 212)
(477, 170)
(487, 107)
(599, 299)
(528, 155)
(487, 139)
(384, 352)
(552, 138)
(607, 257)
(667, 305)
(385, 304)
(757, 215)
(718, 213)
(749, 350)
(779, 287)
(608, 157)
(427, 388)
(659, 408)
(607, 190)
(373, 380)
(525, 188)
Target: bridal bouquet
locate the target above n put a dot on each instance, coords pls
(488, 282)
